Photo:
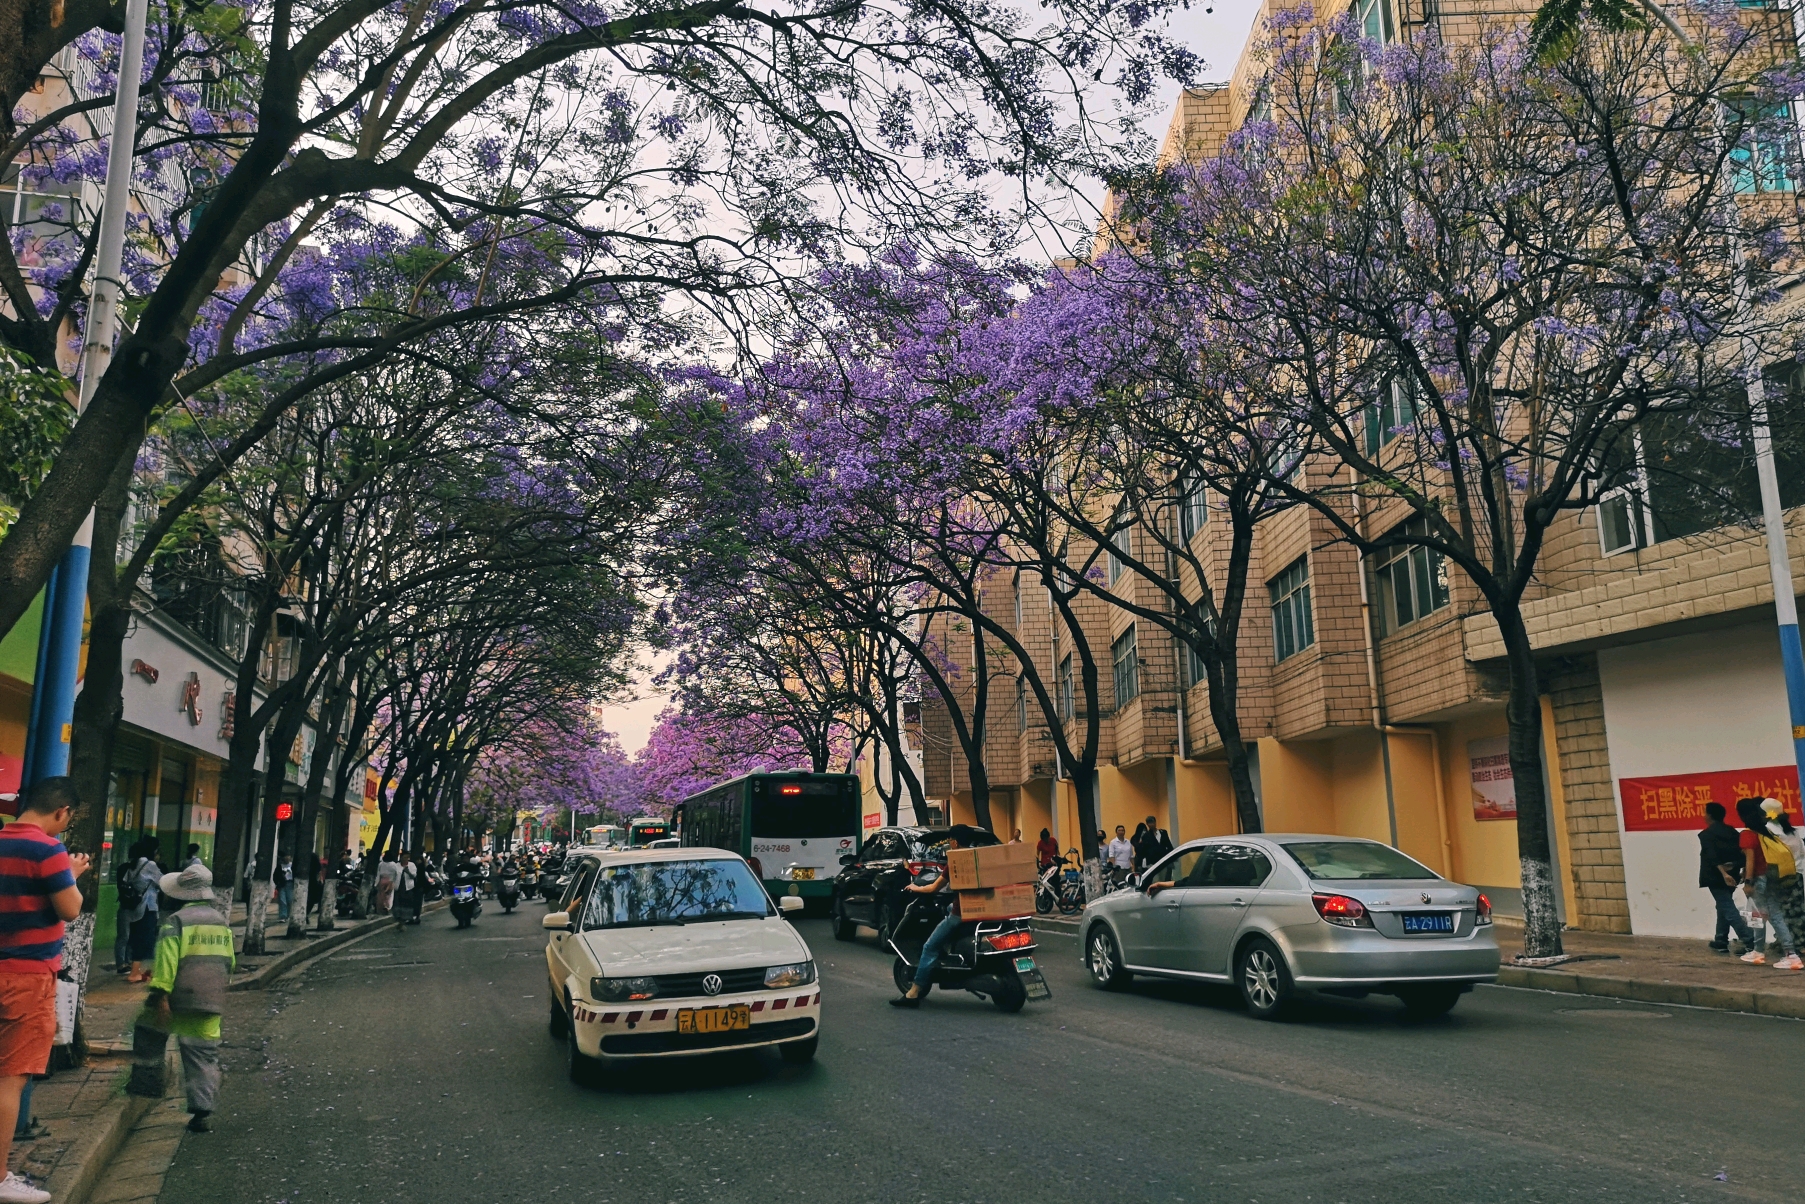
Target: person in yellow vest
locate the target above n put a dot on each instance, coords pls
(188, 983)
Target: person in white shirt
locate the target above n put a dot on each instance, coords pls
(1119, 855)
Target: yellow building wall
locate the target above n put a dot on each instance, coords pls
(1485, 851)
(1297, 792)
(1206, 801)
(1034, 809)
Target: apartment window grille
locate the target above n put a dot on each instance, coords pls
(1193, 510)
(1121, 544)
(1127, 665)
(1413, 580)
(1389, 416)
(1018, 604)
(1195, 672)
(1293, 627)
(1068, 709)
(1763, 157)
(1021, 703)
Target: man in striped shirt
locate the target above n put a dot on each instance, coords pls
(37, 894)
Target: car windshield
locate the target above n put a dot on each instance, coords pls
(646, 893)
(1345, 860)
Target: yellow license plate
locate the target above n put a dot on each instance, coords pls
(799, 874)
(714, 1020)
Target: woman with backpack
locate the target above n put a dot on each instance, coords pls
(138, 885)
(1792, 886)
(1766, 862)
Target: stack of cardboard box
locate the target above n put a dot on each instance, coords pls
(995, 882)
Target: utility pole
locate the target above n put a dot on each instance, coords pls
(59, 639)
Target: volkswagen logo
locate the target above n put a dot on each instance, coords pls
(1425, 898)
(711, 984)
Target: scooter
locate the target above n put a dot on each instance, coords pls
(529, 882)
(507, 890)
(993, 959)
(1059, 887)
(465, 906)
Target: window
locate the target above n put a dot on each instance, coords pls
(1068, 709)
(1021, 703)
(1374, 19)
(652, 893)
(1293, 630)
(1018, 603)
(1353, 860)
(1121, 543)
(1195, 673)
(1193, 509)
(1232, 865)
(1762, 159)
(1127, 667)
(1413, 580)
(1387, 417)
(1178, 868)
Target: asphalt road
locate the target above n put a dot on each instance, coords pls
(415, 1068)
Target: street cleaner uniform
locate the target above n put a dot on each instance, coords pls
(193, 966)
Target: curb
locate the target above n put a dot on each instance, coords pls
(1759, 1003)
(79, 1173)
(271, 971)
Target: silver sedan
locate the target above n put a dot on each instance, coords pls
(1275, 914)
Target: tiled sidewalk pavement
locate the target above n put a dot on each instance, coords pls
(1659, 970)
(71, 1104)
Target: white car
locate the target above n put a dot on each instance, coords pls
(675, 952)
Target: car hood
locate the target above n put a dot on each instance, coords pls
(674, 949)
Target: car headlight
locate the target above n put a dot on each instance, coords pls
(795, 974)
(623, 990)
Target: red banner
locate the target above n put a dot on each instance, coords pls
(874, 820)
(1676, 803)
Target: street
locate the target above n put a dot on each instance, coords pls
(414, 1067)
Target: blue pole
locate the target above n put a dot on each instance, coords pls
(59, 661)
(27, 775)
(1779, 562)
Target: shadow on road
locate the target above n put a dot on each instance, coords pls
(675, 1076)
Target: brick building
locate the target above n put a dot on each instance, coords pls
(1660, 671)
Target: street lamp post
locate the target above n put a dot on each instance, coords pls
(59, 641)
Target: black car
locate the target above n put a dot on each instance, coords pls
(869, 890)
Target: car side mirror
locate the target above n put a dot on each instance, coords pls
(848, 858)
(555, 919)
(788, 903)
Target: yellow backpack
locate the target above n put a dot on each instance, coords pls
(1777, 855)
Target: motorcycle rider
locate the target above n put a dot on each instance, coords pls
(957, 837)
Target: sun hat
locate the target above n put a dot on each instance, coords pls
(192, 884)
(1772, 806)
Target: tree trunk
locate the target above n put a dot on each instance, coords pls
(1523, 709)
(328, 904)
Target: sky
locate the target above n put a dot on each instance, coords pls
(1218, 36)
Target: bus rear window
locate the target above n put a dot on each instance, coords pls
(804, 817)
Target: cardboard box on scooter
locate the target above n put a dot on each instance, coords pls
(997, 902)
(992, 865)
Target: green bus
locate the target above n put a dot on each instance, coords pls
(644, 830)
(792, 827)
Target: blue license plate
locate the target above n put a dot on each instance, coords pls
(1023, 965)
(1428, 921)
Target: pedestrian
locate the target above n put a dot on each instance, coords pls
(1792, 886)
(1719, 869)
(407, 892)
(1119, 855)
(1156, 844)
(1046, 849)
(1765, 862)
(141, 879)
(285, 885)
(188, 991)
(37, 896)
(388, 874)
(1134, 842)
(194, 856)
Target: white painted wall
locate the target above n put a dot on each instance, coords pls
(1694, 704)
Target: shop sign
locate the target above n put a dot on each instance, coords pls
(1676, 802)
(874, 820)
(1494, 786)
(228, 715)
(147, 672)
(191, 698)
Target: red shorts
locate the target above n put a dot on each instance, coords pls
(27, 1023)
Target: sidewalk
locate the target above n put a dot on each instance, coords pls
(1656, 969)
